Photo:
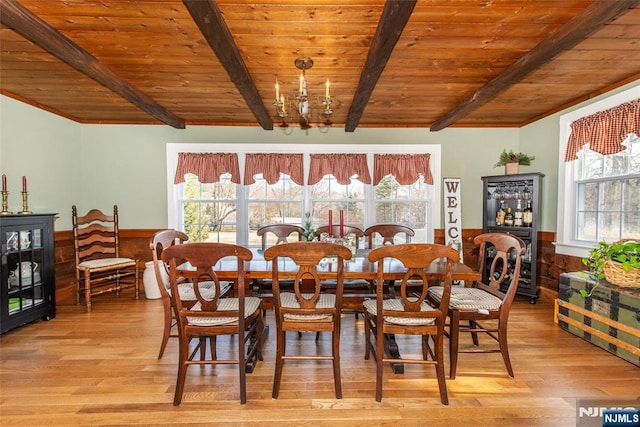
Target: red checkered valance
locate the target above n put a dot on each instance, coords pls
(270, 165)
(406, 168)
(604, 131)
(207, 166)
(341, 166)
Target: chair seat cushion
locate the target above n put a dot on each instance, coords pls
(396, 304)
(347, 284)
(468, 299)
(289, 300)
(106, 262)
(251, 305)
(207, 290)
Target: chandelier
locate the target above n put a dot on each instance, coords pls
(302, 105)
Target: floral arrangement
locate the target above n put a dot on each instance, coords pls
(307, 230)
(511, 157)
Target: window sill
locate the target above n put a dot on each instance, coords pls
(576, 249)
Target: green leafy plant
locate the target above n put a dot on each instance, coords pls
(307, 230)
(627, 253)
(511, 157)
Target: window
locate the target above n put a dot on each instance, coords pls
(598, 195)
(403, 204)
(328, 194)
(230, 212)
(209, 210)
(608, 194)
(272, 204)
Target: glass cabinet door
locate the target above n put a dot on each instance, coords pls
(27, 273)
(24, 258)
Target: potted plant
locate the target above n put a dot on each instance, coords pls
(617, 262)
(511, 160)
(307, 230)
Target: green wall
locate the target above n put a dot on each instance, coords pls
(96, 166)
(541, 140)
(46, 149)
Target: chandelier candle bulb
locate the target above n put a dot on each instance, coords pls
(304, 108)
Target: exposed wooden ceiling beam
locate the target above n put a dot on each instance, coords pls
(573, 32)
(394, 17)
(208, 17)
(29, 26)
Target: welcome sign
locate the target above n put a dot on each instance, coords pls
(452, 214)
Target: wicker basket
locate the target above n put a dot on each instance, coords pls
(614, 273)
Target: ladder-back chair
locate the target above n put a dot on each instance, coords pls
(99, 266)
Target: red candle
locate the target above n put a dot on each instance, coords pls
(24, 184)
(330, 223)
(341, 223)
(4, 183)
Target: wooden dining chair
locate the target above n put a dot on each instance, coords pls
(386, 234)
(411, 313)
(99, 266)
(281, 232)
(274, 234)
(484, 300)
(308, 308)
(239, 316)
(159, 241)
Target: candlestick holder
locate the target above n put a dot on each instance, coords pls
(5, 195)
(25, 204)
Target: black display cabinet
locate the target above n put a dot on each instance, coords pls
(504, 191)
(27, 276)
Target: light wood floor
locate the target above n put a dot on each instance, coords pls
(101, 369)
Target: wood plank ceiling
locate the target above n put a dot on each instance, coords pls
(400, 63)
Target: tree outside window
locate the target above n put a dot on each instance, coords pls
(209, 210)
(608, 194)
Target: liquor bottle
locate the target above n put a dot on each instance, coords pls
(517, 215)
(527, 215)
(508, 218)
(500, 215)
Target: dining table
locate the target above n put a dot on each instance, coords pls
(359, 267)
